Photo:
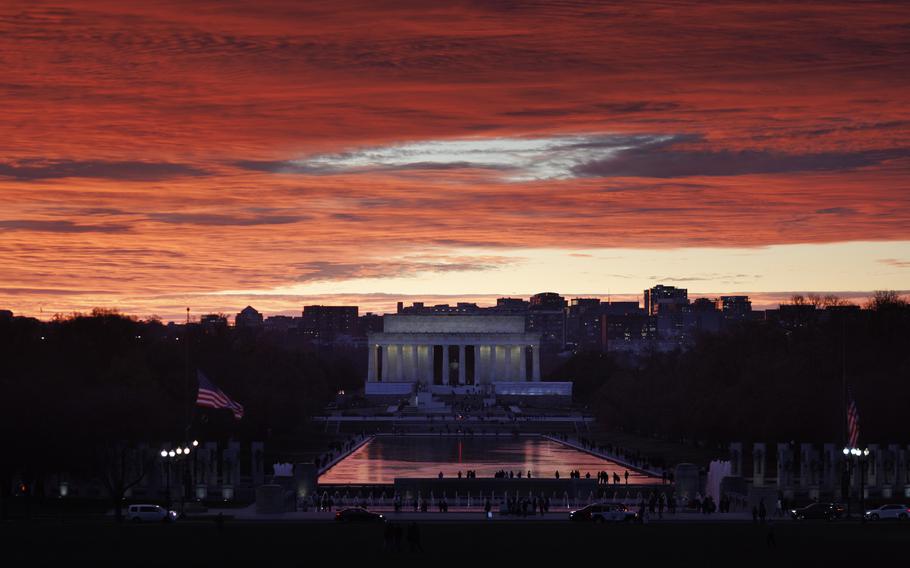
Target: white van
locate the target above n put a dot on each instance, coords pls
(150, 513)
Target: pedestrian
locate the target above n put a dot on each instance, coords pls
(414, 538)
(754, 514)
(762, 512)
(627, 477)
(399, 536)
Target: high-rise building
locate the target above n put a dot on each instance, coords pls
(325, 323)
(583, 324)
(735, 307)
(547, 316)
(663, 299)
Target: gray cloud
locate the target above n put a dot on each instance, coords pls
(224, 220)
(60, 227)
(659, 160)
(29, 170)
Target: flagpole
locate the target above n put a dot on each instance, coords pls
(844, 377)
(186, 381)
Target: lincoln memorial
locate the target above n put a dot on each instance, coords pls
(453, 350)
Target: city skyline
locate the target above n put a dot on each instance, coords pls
(156, 158)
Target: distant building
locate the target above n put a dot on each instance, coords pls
(663, 299)
(583, 324)
(419, 309)
(547, 316)
(325, 323)
(369, 323)
(737, 308)
(547, 301)
(249, 318)
(628, 332)
(280, 324)
(511, 306)
(213, 323)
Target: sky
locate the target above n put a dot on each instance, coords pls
(156, 156)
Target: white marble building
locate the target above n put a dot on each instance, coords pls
(453, 350)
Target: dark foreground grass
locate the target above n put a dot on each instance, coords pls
(103, 543)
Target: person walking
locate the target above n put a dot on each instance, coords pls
(414, 538)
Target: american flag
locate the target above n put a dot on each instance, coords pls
(852, 422)
(211, 396)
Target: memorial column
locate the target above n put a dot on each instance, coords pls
(461, 365)
(385, 363)
(535, 360)
(371, 371)
(523, 363)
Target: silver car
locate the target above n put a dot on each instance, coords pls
(899, 512)
(150, 513)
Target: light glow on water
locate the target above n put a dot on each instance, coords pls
(387, 457)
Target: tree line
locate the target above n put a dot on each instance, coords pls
(762, 380)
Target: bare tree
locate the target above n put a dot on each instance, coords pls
(886, 299)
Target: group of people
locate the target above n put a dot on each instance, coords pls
(503, 474)
(470, 474)
(394, 535)
(523, 507)
(656, 504)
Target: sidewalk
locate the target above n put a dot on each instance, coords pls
(465, 515)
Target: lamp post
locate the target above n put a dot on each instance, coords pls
(856, 458)
(177, 455)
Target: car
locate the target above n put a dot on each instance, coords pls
(826, 511)
(148, 513)
(892, 511)
(604, 512)
(358, 515)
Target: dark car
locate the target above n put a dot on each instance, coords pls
(358, 515)
(604, 512)
(825, 511)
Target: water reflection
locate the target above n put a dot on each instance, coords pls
(385, 458)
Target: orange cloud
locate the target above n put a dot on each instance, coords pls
(150, 150)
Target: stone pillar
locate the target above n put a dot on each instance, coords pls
(415, 364)
(758, 464)
(385, 363)
(211, 473)
(517, 360)
(831, 470)
(809, 466)
(535, 359)
(425, 361)
(523, 363)
(257, 459)
(499, 363)
(874, 466)
(736, 459)
(785, 469)
(482, 360)
(230, 470)
(462, 363)
(371, 369)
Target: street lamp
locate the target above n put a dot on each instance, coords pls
(171, 456)
(856, 457)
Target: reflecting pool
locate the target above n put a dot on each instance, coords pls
(387, 457)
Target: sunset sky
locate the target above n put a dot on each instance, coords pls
(159, 155)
